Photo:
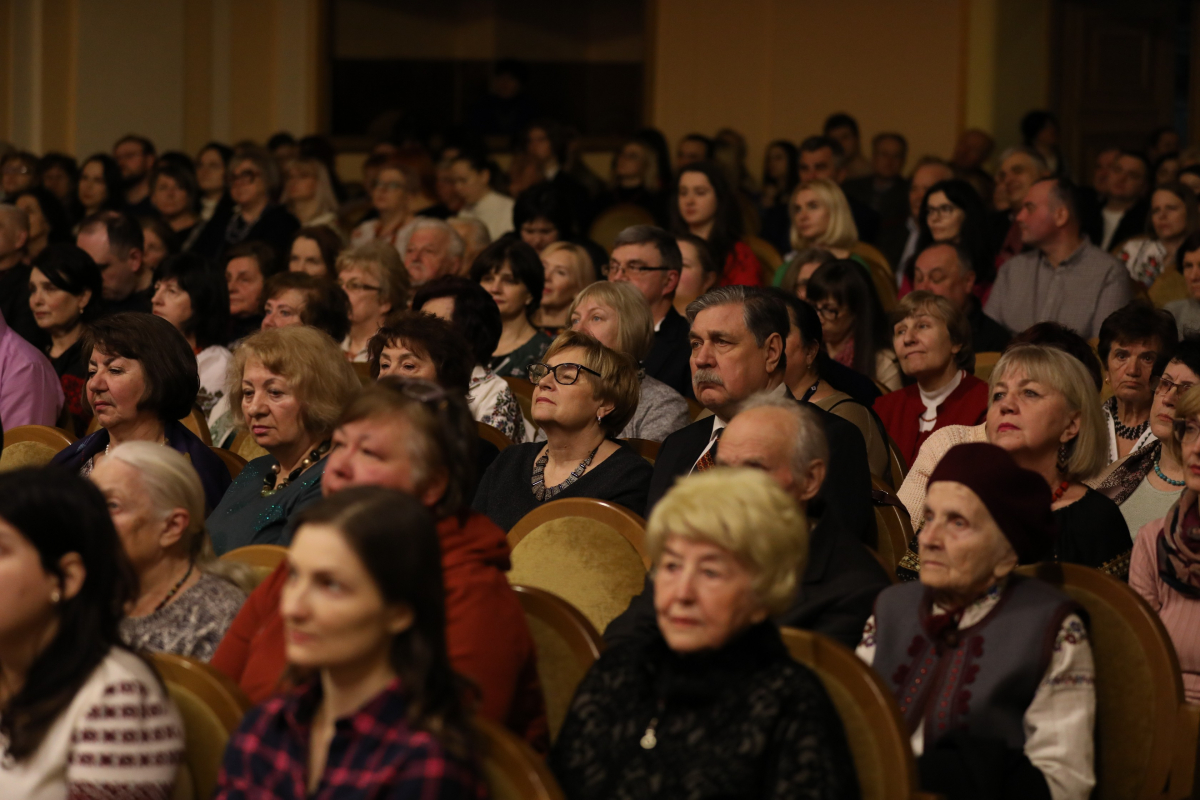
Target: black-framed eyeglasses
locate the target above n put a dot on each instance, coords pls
(615, 270)
(246, 176)
(1163, 385)
(564, 374)
(1186, 430)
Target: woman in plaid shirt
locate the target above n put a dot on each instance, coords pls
(375, 712)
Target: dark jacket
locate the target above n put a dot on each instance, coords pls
(987, 335)
(835, 598)
(743, 721)
(274, 227)
(670, 355)
(1133, 223)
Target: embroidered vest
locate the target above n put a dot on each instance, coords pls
(979, 679)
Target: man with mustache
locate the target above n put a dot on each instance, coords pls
(737, 350)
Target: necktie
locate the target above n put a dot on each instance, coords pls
(709, 459)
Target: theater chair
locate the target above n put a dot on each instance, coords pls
(195, 422)
(493, 435)
(510, 767)
(892, 524)
(33, 446)
(232, 461)
(262, 559)
(591, 553)
(613, 220)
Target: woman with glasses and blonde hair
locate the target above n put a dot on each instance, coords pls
(568, 270)
(375, 280)
(308, 193)
(584, 396)
(1165, 566)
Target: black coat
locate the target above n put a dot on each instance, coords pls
(836, 597)
(670, 355)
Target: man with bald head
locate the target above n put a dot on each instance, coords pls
(1064, 278)
(786, 440)
(946, 270)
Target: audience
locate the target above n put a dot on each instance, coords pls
(618, 317)
(822, 158)
(1150, 258)
(475, 237)
(1131, 340)
(157, 505)
(431, 249)
(375, 656)
(1020, 168)
(308, 193)
(568, 269)
(513, 275)
(853, 322)
(933, 342)
(173, 195)
(295, 298)
(247, 267)
(1149, 481)
(884, 189)
(420, 346)
(100, 185)
(74, 696)
(984, 515)
(315, 251)
(899, 244)
(970, 152)
(157, 242)
(947, 270)
(212, 180)
(843, 129)
(60, 176)
(729, 549)
(1160, 569)
(135, 157)
(30, 391)
(543, 215)
(781, 172)
(115, 241)
(19, 170)
(253, 185)
(1185, 311)
(700, 271)
(14, 274)
(1065, 278)
(473, 313)
(952, 213)
(635, 181)
(704, 205)
(193, 298)
(584, 395)
(391, 202)
(287, 388)
(1126, 205)
(799, 269)
(472, 174)
(48, 222)
(410, 437)
(375, 280)
(693, 148)
(65, 295)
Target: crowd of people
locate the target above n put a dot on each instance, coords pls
(360, 341)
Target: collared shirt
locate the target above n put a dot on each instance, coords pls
(30, 391)
(1079, 293)
(374, 753)
(719, 424)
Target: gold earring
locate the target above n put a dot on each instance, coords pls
(55, 596)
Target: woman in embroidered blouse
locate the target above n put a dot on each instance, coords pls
(984, 515)
(364, 618)
(289, 386)
(853, 322)
(377, 283)
(512, 273)
(72, 694)
(1166, 556)
(470, 309)
(1150, 259)
(1130, 340)
(584, 395)
(703, 204)
(157, 505)
(932, 339)
(682, 706)
(1148, 482)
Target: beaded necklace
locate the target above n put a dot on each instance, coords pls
(1059, 492)
(175, 588)
(543, 492)
(1126, 432)
(270, 486)
(1158, 471)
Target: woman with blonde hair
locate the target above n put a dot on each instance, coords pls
(157, 506)
(375, 280)
(287, 387)
(308, 193)
(569, 269)
(619, 317)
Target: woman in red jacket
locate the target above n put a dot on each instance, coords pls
(932, 340)
(414, 437)
(702, 204)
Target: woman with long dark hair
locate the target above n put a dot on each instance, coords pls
(67, 684)
(853, 321)
(781, 174)
(376, 701)
(953, 213)
(99, 186)
(702, 203)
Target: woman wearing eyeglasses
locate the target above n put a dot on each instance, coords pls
(584, 395)
(254, 185)
(952, 213)
(1165, 566)
(1147, 483)
(377, 283)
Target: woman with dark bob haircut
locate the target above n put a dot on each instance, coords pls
(418, 345)
(473, 313)
(64, 585)
(852, 321)
(142, 379)
(193, 297)
(513, 274)
(64, 295)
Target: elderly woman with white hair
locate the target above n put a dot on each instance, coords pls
(993, 672)
(157, 506)
(710, 697)
(618, 316)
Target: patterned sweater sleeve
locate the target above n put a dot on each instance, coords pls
(128, 746)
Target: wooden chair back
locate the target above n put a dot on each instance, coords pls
(232, 461)
(615, 219)
(767, 256)
(1146, 734)
(897, 466)
(589, 552)
(893, 525)
(262, 559)
(194, 422)
(244, 446)
(875, 731)
(567, 646)
(33, 446)
(522, 389)
(510, 767)
(645, 448)
(212, 707)
(985, 363)
(493, 435)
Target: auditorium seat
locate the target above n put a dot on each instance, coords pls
(613, 220)
(984, 364)
(32, 446)
(510, 767)
(493, 435)
(262, 559)
(644, 448)
(892, 523)
(589, 552)
(232, 461)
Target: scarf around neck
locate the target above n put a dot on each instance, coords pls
(1179, 547)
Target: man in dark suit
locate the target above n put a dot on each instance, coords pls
(841, 578)
(885, 190)
(737, 350)
(1127, 205)
(649, 258)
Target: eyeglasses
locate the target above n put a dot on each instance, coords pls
(941, 211)
(829, 313)
(564, 374)
(1186, 430)
(1164, 385)
(355, 286)
(616, 270)
(246, 176)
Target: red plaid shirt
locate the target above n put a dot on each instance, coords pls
(374, 754)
